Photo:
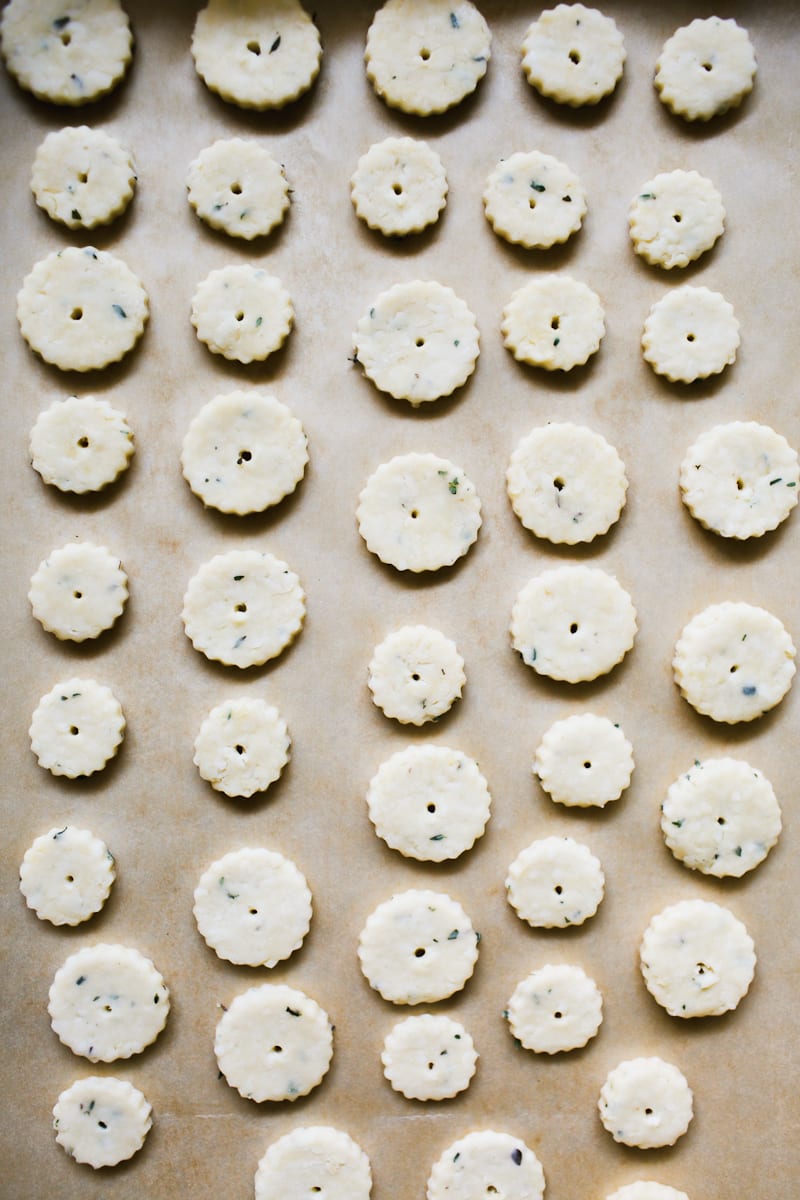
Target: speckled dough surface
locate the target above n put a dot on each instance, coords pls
(78, 591)
(242, 746)
(675, 217)
(584, 761)
(314, 1159)
(399, 186)
(557, 1008)
(80, 444)
(236, 186)
(705, 68)
(76, 727)
(646, 1102)
(429, 1057)
(82, 177)
(416, 674)
(573, 54)
(554, 883)
(242, 313)
(66, 875)
(101, 1121)
(555, 322)
(483, 1163)
(534, 200)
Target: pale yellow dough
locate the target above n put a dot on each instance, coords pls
(534, 200)
(690, 333)
(555, 322)
(76, 728)
(705, 68)
(78, 591)
(573, 54)
(82, 177)
(429, 1057)
(485, 1163)
(66, 875)
(584, 761)
(310, 1160)
(236, 186)
(242, 746)
(242, 312)
(119, 1119)
(557, 1008)
(80, 444)
(646, 1102)
(675, 217)
(399, 186)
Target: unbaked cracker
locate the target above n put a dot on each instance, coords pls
(255, 54)
(697, 959)
(646, 1102)
(78, 591)
(424, 56)
(399, 186)
(573, 623)
(416, 674)
(242, 746)
(555, 322)
(66, 51)
(573, 54)
(236, 186)
(82, 177)
(81, 309)
(243, 452)
(705, 68)
(584, 761)
(429, 1057)
(76, 728)
(690, 333)
(740, 479)
(108, 1002)
(101, 1121)
(419, 512)
(534, 200)
(274, 1043)
(242, 312)
(486, 1162)
(80, 444)
(314, 1159)
(418, 947)
(66, 875)
(554, 883)
(721, 817)
(646, 1189)
(243, 608)
(557, 1008)
(417, 341)
(734, 662)
(429, 802)
(566, 483)
(675, 217)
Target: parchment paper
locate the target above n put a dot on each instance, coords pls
(164, 824)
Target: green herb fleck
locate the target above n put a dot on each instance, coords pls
(437, 837)
(738, 852)
(275, 44)
(647, 196)
(556, 341)
(772, 482)
(119, 310)
(293, 1012)
(259, 321)
(454, 20)
(238, 577)
(678, 824)
(60, 22)
(748, 690)
(516, 1155)
(792, 484)
(453, 486)
(81, 979)
(76, 216)
(537, 187)
(451, 937)
(457, 342)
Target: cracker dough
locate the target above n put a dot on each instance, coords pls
(573, 54)
(555, 322)
(740, 480)
(66, 51)
(734, 662)
(418, 947)
(584, 761)
(573, 623)
(557, 1008)
(644, 1189)
(243, 608)
(66, 875)
(82, 177)
(399, 186)
(554, 883)
(274, 1043)
(417, 341)
(80, 444)
(721, 817)
(314, 1159)
(424, 56)
(242, 313)
(76, 728)
(243, 452)
(78, 591)
(81, 309)
(690, 333)
(242, 747)
(487, 1162)
(534, 200)
(566, 483)
(676, 217)
(429, 1057)
(101, 1121)
(418, 512)
(705, 68)
(429, 802)
(646, 1102)
(108, 1002)
(253, 907)
(255, 54)
(236, 186)
(697, 959)
(416, 674)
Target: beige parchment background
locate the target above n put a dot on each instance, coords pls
(161, 821)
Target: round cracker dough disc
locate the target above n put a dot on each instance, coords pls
(689, 334)
(76, 728)
(573, 54)
(645, 1102)
(80, 444)
(554, 883)
(236, 186)
(487, 1163)
(534, 200)
(429, 1057)
(82, 177)
(78, 591)
(66, 875)
(242, 313)
(557, 1008)
(416, 674)
(399, 186)
(242, 747)
(645, 1189)
(555, 322)
(675, 218)
(705, 68)
(314, 1159)
(584, 761)
(119, 1119)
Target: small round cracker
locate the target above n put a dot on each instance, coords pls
(66, 875)
(705, 68)
(556, 1008)
(675, 217)
(119, 1119)
(534, 200)
(243, 608)
(243, 452)
(429, 1057)
(734, 662)
(573, 54)
(487, 1162)
(256, 55)
(418, 512)
(78, 591)
(242, 313)
(82, 177)
(76, 728)
(314, 1159)
(690, 333)
(236, 186)
(81, 309)
(80, 444)
(416, 674)
(573, 623)
(645, 1102)
(242, 746)
(646, 1189)
(555, 883)
(555, 322)
(417, 341)
(423, 56)
(584, 761)
(399, 186)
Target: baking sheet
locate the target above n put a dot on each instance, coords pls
(161, 821)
